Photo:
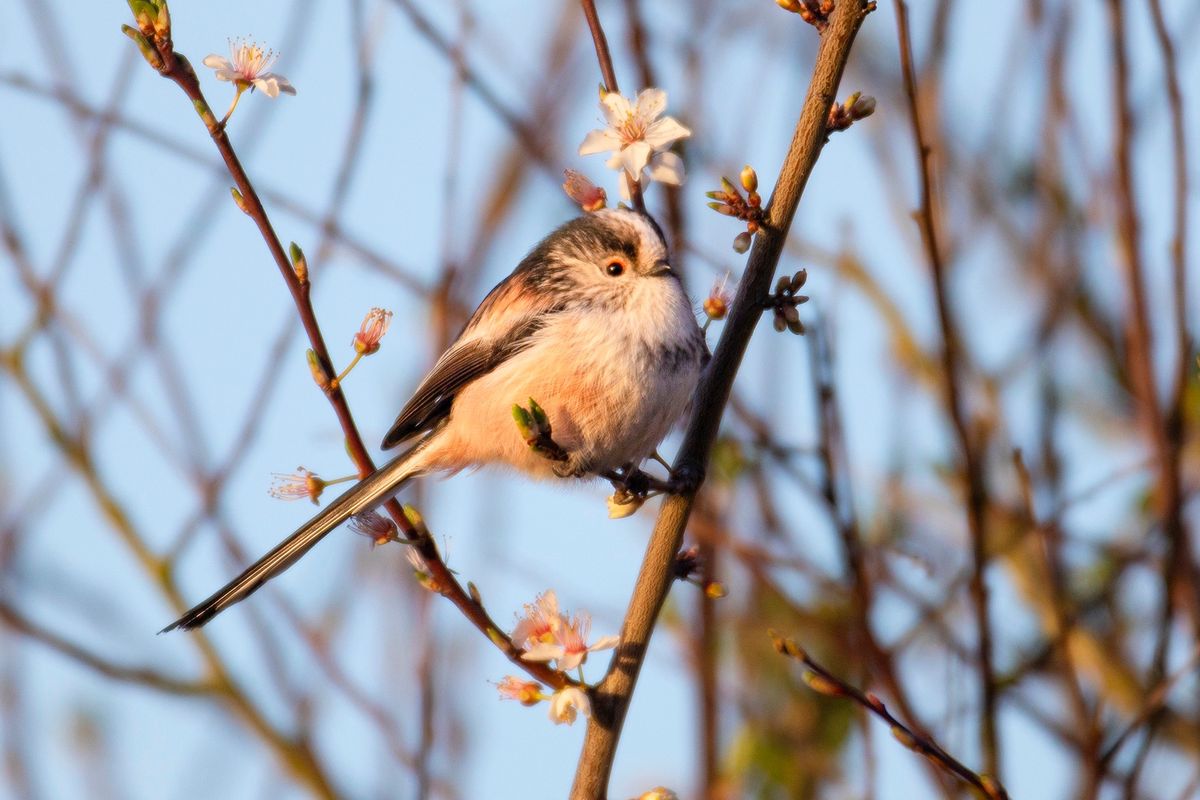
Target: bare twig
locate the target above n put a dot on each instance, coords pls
(610, 83)
(952, 363)
(176, 68)
(823, 681)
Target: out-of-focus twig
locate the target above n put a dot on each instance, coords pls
(823, 681)
(952, 363)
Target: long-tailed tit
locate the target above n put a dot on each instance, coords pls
(592, 324)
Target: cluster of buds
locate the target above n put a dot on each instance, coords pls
(153, 20)
(857, 106)
(785, 300)
(689, 567)
(729, 201)
(583, 193)
(814, 12)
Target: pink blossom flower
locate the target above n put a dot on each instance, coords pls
(535, 627)
(297, 485)
(373, 327)
(583, 192)
(716, 305)
(527, 693)
(247, 67)
(374, 526)
(569, 647)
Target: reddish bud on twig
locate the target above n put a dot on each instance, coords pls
(583, 192)
(374, 326)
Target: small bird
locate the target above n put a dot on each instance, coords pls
(593, 325)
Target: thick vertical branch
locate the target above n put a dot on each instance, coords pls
(612, 696)
(972, 463)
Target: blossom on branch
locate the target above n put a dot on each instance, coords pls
(568, 703)
(585, 194)
(373, 525)
(247, 67)
(639, 137)
(569, 647)
(373, 327)
(527, 693)
(298, 485)
(716, 305)
(535, 627)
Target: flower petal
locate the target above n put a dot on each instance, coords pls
(543, 651)
(271, 84)
(650, 103)
(569, 661)
(214, 61)
(599, 141)
(667, 168)
(663, 132)
(566, 703)
(635, 157)
(626, 191)
(605, 643)
(616, 109)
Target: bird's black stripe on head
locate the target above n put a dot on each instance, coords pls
(654, 224)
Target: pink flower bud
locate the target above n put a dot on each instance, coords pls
(373, 327)
(583, 192)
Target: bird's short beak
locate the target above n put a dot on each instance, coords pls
(661, 268)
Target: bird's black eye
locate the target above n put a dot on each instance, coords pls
(615, 268)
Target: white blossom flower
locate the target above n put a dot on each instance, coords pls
(247, 67)
(638, 136)
(568, 647)
(567, 703)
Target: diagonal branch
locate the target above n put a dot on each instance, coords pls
(612, 696)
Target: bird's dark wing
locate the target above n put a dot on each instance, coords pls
(512, 317)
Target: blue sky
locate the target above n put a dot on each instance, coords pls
(512, 538)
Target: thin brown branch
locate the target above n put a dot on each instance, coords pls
(610, 83)
(149, 678)
(952, 364)
(823, 681)
(177, 69)
(1155, 701)
(612, 696)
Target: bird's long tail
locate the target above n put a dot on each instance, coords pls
(365, 495)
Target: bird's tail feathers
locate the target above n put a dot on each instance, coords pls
(365, 495)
